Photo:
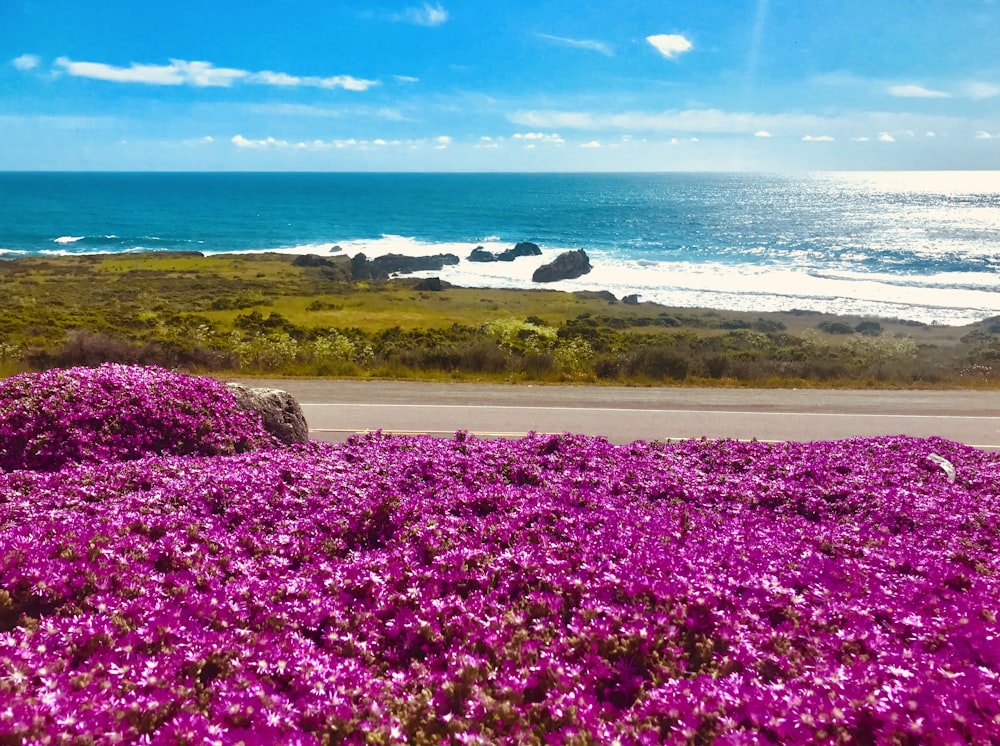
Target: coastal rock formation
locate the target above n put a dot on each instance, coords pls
(311, 260)
(479, 254)
(379, 268)
(279, 412)
(524, 248)
(434, 284)
(631, 300)
(567, 266)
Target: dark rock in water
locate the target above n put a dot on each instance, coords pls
(381, 267)
(524, 248)
(280, 414)
(434, 284)
(567, 266)
(631, 300)
(479, 254)
(311, 260)
(336, 248)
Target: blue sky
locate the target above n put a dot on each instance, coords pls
(519, 85)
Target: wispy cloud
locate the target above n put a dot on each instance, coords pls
(979, 90)
(202, 74)
(425, 15)
(689, 120)
(26, 62)
(912, 90)
(405, 79)
(670, 45)
(762, 133)
(589, 44)
(817, 138)
(885, 137)
(346, 82)
(592, 144)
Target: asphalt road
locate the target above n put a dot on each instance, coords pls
(337, 409)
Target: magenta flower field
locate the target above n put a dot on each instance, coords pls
(169, 575)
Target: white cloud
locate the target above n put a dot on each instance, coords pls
(885, 137)
(26, 62)
(426, 15)
(268, 142)
(817, 138)
(983, 135)
(930, 133)
(202, 75)
(536, 137)
(272, 143)
(916, 91)
(979, 90)
(670, 45)
(762, 133)
(488, 142)
(863, 138)
(347, 82)
(442, 142)
(405, 79)
(589, 44)
(591, 144)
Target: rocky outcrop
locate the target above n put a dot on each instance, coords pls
(479, 254)
(311, 260)
(434, 284)
(631, 300)
(567, 266)
(524, 248)
(279, 412)
(363, 268)
(605, 295)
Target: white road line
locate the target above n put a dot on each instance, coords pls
(661, 411)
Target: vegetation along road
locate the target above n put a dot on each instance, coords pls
(337, 409)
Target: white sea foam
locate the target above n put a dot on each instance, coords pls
(68, 239)
(943, 298)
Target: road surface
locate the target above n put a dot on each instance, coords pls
(337, 409)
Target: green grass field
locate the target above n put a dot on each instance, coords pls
(262, 314)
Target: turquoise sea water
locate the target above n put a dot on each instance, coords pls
(917, 245)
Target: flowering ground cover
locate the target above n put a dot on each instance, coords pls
(543, 590)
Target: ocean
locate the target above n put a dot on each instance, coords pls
(923, 246)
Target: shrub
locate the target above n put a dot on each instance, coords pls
(484, 357)
(118, 413)
(656, 362)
